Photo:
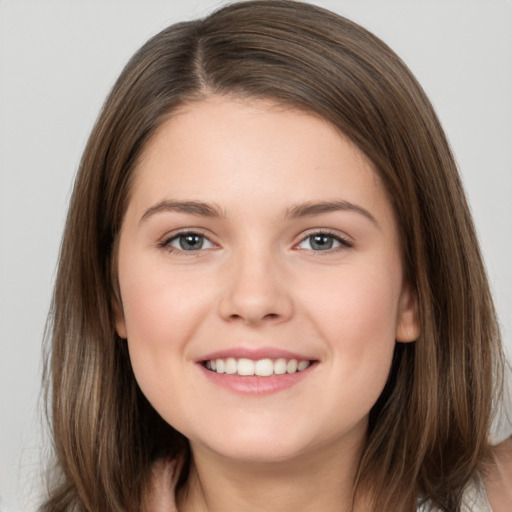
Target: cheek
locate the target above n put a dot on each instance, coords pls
(356, 316)
(162, 316)
(161, 313)
(160, 305)
(356, 305)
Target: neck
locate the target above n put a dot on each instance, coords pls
(321, 479)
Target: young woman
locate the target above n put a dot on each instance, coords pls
(270, 294)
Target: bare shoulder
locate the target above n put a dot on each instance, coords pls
(498, 480)
(162, 485)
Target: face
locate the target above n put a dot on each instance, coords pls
(261, 280)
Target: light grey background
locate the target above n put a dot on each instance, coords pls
(58, 60)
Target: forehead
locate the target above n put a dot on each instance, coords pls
(225, 149)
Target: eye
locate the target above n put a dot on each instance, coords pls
(323, 242)
(188, 241)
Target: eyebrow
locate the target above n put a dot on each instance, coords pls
(213, 210)
(316, 208)
(189, 207)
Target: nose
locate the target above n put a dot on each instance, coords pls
(256, 290)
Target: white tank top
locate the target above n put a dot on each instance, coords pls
(474, 500)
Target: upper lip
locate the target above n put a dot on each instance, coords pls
(255, 354)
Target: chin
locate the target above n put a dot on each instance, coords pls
(260, 452)
(258, 445)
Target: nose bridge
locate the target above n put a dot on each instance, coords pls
(256, 287)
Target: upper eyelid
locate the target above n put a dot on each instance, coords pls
(344, 238)
(326, 231)
(185, 231)
(166, 243)
(345, 243)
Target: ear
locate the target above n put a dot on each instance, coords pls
(120, 321)
(408, 325)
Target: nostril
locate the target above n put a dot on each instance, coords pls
(269, 316)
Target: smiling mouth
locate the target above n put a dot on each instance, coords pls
(260, 368)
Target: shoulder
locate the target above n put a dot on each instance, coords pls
(498, 478)
(162, 486)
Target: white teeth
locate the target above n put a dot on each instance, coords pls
(231, 365)
(245, 367)
(292, 365)
(220, 365)
(261, 367)
(264, 367)
(280, 366)
(302, 365)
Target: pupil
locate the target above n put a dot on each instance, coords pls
(191, 242)
(321, 242)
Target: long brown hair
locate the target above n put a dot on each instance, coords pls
(428, 432)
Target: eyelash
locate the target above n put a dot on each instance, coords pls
(344, 243)
(166, 243)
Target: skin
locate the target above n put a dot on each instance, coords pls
(259, 283)
(498, 480)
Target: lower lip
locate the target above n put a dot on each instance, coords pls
(254, 385)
